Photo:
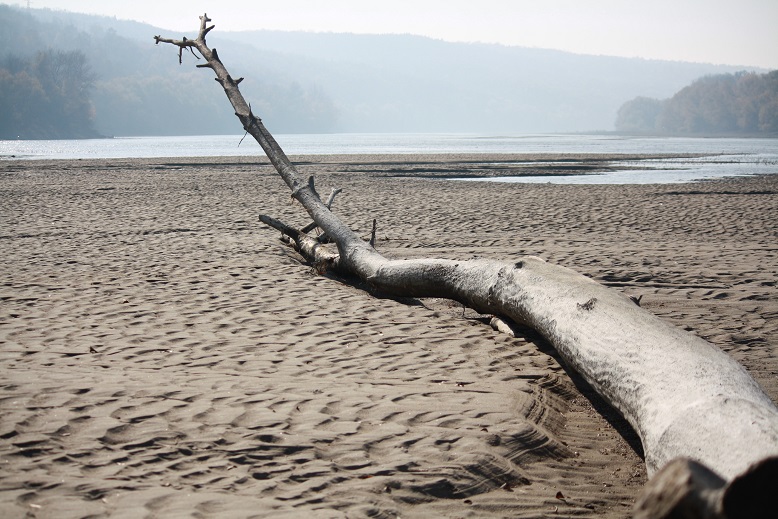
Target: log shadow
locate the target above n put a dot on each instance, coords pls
(606, 410)
(600, 405)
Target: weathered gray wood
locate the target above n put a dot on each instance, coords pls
(686, 489)
(683, 396)
(311, 226)
(682, 489)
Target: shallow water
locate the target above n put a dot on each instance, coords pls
(720, 156)
(661, 171)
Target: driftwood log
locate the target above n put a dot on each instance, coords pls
(709, 432)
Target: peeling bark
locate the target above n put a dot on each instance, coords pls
(685, 398)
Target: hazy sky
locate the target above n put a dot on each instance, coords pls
(734, 32)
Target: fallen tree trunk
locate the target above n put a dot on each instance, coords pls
(684, 397)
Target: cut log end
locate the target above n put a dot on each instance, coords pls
(685, 488)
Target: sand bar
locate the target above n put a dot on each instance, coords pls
(165, 355)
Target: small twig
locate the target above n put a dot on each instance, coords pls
(372, 234)
(191, 49)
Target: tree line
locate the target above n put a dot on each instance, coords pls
(744, 103)
(47, 96)
(107, 78)
(324, 82)
(314, 82)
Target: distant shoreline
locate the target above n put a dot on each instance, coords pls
(507, 135)
(526, 168)
(236, 145)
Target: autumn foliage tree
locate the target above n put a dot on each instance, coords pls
(638, 115)
(726, 104)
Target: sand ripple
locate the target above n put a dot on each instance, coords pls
(164, 355)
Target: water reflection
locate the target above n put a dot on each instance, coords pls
(657, 171)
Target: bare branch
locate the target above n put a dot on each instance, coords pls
(372, 233)
(311, 226)
(204, 29)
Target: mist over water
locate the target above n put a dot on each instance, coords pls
(712, 157)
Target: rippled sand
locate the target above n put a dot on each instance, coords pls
(165, 355)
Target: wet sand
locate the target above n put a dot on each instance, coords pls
(164, 355)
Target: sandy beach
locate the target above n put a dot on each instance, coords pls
(164, 355)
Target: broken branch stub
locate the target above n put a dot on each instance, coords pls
(683, 396)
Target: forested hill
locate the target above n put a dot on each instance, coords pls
(47, 96)
(724, 104)
(305, 82)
